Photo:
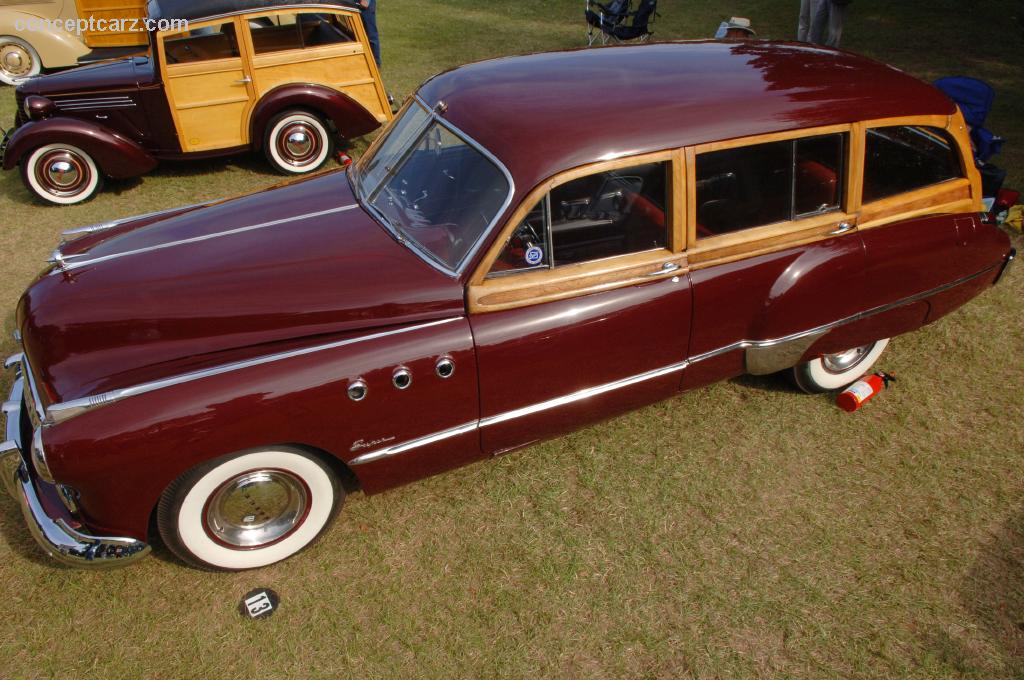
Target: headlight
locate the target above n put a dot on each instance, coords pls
(39, 457)
(37, 108)
(25, 107)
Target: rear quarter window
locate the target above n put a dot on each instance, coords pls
(903, 158)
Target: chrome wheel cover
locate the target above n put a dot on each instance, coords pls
(299, 143)
(15, 61)
(62, 172)
(257, 508)
(845, 361)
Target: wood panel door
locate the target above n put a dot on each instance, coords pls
(209, 86)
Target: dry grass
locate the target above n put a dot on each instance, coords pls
(740, 530)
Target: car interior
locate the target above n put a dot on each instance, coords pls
(593, 217)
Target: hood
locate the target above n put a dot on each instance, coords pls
(117, 74)
(199, 287)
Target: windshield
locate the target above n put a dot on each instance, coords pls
(431, 187)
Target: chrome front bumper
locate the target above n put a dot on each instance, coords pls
(51, 530)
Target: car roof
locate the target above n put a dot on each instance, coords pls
(544, 113)
(196, 10)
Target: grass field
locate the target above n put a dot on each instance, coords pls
(737, 531)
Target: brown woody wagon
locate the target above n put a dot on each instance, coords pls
(288, 79)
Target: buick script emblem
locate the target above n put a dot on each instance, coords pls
(360, 444)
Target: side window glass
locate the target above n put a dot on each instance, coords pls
(819, 165)
(275, 33)
(743, 187)
(325, 29)
(760, 184)
(606, 214)
(202, 44)
(904, 158)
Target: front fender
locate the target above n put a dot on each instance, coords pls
(56, 48)
(121, 456)
(349, 116)
(115, 155)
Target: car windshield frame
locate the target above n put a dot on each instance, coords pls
(365, 194)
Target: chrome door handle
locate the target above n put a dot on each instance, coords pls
(841, 228)
(665, 269)
(244, 81)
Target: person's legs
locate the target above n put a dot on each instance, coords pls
(819, 21)
(803, 25)
(835, 24)
(369, 15)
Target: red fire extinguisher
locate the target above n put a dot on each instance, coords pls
(862, 391)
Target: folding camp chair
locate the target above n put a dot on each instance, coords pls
(619, 22)
(975, 98)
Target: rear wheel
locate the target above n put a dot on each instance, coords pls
(836, 371)
(297, 142)
(18, 60)
(61, 174)
(248, 510)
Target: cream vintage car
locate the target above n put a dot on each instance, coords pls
(38, 35)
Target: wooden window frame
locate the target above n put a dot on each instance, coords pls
(767, 238)
(957, 195)
(530, 287)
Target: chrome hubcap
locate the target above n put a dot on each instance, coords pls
(844, 361)
(299, 144)
(15, 61)
(62, 172)
(257, 508)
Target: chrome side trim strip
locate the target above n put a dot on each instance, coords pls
(104, 226)
(67, 266)
(582, 394)
(63, 411)
(821, 330)
(414, 443)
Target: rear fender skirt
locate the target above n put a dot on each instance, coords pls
(348, 115)
(116, 156)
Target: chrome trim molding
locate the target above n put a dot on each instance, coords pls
(55, 536)
(824, 328)
(583, 394)
(414, 443)
(104, 226)
(762, 355)
(517, 413)
(61, 412)
(66, 263)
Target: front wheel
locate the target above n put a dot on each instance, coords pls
(18, 60)
(297, 142)
(836, 371)
(248, 510)
(61, 174)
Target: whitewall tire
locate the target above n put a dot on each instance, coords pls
(298, 142)
(61, 174)
(836, 371)
(18, 60)
(248, 510)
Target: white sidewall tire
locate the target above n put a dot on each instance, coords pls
(815, 378)
(29, 174)
(37, 63)
(326, 143)
(191, 522)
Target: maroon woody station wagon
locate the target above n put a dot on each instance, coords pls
(517, 255)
